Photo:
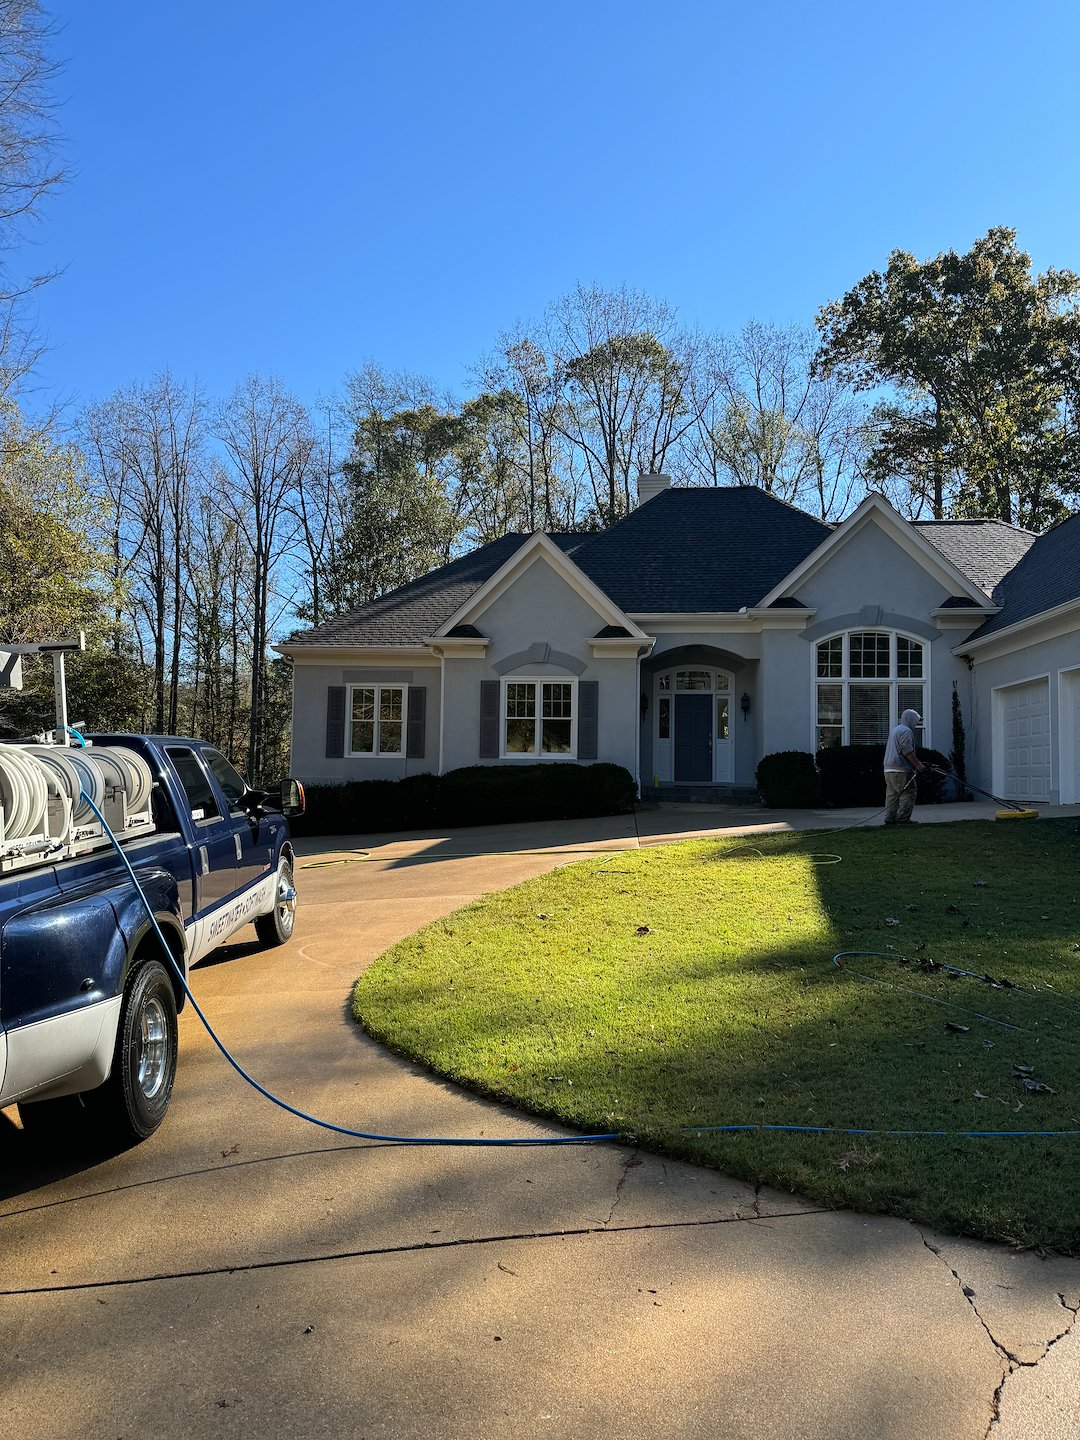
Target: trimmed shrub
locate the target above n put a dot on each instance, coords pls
(497, 794)
(369, 805)
(476, 795)
(853, 775)
(788, 778)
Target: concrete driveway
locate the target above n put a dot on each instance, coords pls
(244, 1275)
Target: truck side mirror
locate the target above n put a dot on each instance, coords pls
(293, 801)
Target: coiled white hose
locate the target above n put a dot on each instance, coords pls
(132, 769)
(24, 791)
(28, 772)
(73, 778)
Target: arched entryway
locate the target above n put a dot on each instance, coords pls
(696, 702)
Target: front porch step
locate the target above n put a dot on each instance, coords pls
(699, 795)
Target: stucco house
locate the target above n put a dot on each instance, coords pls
(707, 629)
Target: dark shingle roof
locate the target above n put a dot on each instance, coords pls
(716, 548)
(405, 616)
(709, 549)
(983, 550)
(1048, 574)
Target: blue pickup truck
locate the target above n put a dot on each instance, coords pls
(88, 1003)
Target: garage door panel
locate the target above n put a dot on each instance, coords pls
(1026, 740)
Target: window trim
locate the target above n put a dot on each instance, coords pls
(531, 757)
(376, 753)
(845, 680)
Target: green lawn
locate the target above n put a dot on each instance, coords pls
(728, 1009)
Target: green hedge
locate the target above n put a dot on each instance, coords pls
(476, 795)
(853, 775)
(788, 778)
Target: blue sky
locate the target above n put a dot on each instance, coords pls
(296, 189)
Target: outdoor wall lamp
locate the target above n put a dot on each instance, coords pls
(744, 705)
(644, 704)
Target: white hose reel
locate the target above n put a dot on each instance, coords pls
(28, 773)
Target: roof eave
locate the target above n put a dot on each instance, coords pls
(1019, 628)
(295, 649)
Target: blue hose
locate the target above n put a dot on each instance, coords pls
(284, 1104)
(518, 1141)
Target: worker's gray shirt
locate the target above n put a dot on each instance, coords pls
(901, 744)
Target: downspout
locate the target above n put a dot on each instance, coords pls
(643, 650)
(442, 701)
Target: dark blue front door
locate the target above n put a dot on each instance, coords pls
(693, 737)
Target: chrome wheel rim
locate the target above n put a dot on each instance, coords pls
(153, 1048)
(286, 902)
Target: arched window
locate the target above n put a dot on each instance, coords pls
(864, 680)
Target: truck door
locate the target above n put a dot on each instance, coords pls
(215, 832)
(253, 838)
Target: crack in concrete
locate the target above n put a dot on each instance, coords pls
(628, 1164)
(1010, 1362)
(405, 1249)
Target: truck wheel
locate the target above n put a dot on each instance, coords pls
(132, 1102)
(277, 927)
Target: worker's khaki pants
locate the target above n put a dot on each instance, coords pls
(899, 797)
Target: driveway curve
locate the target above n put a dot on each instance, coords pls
(244, 1274)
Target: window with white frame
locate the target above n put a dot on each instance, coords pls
(864, 681)
(539, 717)
(377, 719)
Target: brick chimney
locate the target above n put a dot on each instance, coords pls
(651, 485)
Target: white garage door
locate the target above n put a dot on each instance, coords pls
(1069, 681)
(1027, 740)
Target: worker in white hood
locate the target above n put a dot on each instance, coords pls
(901, 767)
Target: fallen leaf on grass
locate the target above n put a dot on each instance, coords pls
(889, 920)
(643, 930)
(980, 1096)
(956, 1028)
(1037, 1087)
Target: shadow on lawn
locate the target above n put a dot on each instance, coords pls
(989, 899)
(781, 1036)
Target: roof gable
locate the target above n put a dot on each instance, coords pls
(540, 549)
(875, 510)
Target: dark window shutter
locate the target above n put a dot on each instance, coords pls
(489, 719)
(588, 704)
(335, 722)
(415, 743)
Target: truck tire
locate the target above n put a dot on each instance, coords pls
(277, 927)
(132, 1103)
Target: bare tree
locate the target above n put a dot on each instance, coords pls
(147, 446)
(764, 418)
(623, 386)
(29, 169)
(267, 438)
(317, 507)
